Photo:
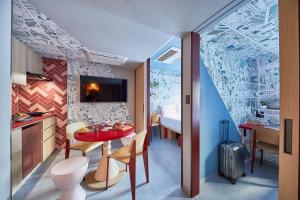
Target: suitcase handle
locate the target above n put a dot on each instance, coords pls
(225, 130)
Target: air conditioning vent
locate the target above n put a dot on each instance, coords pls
(169, 56)
(105, 58)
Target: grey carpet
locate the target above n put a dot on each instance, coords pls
(164, 161)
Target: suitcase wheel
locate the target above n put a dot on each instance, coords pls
(233, 181)
(220, 173)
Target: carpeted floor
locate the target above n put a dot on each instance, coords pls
(164, 160)
(261, 185)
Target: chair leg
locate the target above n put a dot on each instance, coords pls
(151, 134)
(253, 152)
(253, 159)
(146, 164)
(132, 177)
(107, 172)
(132, 168)
(67, 151)
(159, 131)
(261, 156)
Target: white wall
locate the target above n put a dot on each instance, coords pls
(5, 100)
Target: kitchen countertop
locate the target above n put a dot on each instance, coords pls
(34, 120)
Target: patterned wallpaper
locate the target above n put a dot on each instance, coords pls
(165, 88)
(241, 55)
(46, 96)
(91, 113)
(41, 34)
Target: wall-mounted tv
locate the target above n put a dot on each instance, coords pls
(100, 89)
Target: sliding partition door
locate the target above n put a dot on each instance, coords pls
(289, 100)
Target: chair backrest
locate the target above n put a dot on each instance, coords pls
(154, 118)
(72, 128)
(139, 139)
(267, 135)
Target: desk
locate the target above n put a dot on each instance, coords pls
(249, 127)
(97, 178)
(247, 140)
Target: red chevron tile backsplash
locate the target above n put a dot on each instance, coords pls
(46, 96)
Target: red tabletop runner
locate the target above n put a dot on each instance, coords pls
(102, 135)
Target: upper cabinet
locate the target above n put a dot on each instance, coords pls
(18, 62)
(24, 60)
(34, 62)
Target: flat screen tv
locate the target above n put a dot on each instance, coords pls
(100, 89)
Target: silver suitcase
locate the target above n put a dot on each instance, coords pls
(232, 156)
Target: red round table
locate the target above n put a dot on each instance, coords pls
(97, 178)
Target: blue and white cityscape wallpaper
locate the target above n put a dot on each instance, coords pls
(241, 53)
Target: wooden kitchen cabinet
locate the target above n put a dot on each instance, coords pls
(31, 145)
(34, 62)
(31, 148)
(48, 137)
(18, 62)
(16, 154)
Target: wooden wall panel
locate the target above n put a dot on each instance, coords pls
(140, 107)
(289, 97)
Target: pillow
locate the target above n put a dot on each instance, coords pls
(168, 110)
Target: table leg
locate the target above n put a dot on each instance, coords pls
(97, 179)
(100, 174)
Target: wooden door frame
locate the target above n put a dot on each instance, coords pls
(148, 99)
(195, 113)
(190, 63)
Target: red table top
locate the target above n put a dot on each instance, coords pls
(101, 135)
(249, 126)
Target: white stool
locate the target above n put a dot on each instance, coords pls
(67, 176)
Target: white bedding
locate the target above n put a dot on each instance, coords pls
(174, 124)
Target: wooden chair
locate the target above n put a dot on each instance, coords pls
(84, 147)
(127, 155)
(264, 139)
(155, 122)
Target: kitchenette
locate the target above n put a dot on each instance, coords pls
(32, 143)
(38, 108)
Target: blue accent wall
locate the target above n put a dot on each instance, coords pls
(212, 111)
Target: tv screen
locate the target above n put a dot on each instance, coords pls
(99, 89)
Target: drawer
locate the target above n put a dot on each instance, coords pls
(48, 147)
(48, 133)
(48, 122)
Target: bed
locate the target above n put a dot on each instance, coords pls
(170, 118)
(174, 124)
